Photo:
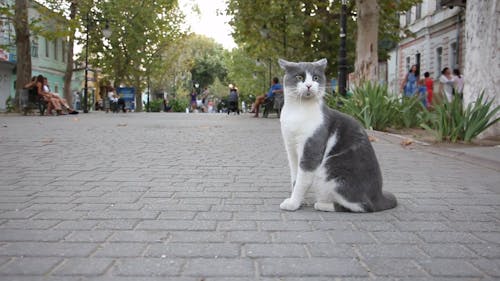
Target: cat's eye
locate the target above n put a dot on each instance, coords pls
(299, 77)
(315, 78)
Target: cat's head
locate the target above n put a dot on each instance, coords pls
(304, 80)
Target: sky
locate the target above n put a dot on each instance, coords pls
(208, 22)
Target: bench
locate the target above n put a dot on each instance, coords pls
(275, 103)
(29, 100)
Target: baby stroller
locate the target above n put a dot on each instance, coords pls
(233, 102)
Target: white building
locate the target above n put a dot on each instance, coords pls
(438, 42)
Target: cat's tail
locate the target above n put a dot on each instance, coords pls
(385, 201)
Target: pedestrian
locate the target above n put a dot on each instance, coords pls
(233, 100)
(459, 82)
(409, 85)
(193, 100)
(429, 83)
(422, 92)
(446, 84)
(204, 99)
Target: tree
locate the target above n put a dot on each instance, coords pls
(208, 63)
(307, 30)
(65, 29)
(367, 41)
(23, 64)
(141, 31)
(481, 29)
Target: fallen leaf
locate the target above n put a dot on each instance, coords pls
(122, 125)
(372, 138)
(406, 142)
(47, 141)
(76, 119)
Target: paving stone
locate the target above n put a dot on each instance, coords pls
(489, 266)
(394, 267)
(147, 267)
(46, 249)
(248, 236)
(200, 250)
(219, 267)
(301, 237)
(275, 250)
(117, 250)
(390, 251)
(447, 251)
(310, 267)
(139, 236)
(88, 236)
(450, 268)
(84, 266)
(13, 235)
(28, 266)
(175, 225)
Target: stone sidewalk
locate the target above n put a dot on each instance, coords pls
(143, 197)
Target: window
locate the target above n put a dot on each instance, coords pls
(439, 60)
(453, 55)
(438, 5)
(34, 47)
(408, 60)
(63, 48)
(408, 17)
(46, 47)
(418, 12)
(55, 49)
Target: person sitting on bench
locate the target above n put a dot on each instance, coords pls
(275, 88)
(56, 102)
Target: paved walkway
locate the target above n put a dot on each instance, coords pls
(196, 197)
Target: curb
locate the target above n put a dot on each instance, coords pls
(441, 151)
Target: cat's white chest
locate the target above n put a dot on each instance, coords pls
(300, 121)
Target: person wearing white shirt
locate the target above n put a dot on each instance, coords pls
(447, 84)
(459, 81)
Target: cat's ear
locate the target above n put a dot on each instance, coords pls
(321, 63)
(283, 63)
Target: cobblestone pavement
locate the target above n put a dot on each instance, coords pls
(143, 197)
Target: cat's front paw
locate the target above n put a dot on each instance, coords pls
(290, 205)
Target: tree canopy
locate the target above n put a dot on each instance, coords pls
(302, 30)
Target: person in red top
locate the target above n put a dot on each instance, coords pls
(429, 83)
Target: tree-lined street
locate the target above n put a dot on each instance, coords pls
(196, 197)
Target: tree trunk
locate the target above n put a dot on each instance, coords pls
(482, 40)
(366, 66)
(69, 57)
(23, 64)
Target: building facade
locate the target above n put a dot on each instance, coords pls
(48, 57)
(437, 42)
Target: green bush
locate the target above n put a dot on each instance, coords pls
(372, 105)
(178, 105)
(155, 105)
(450, 121)
(9, 106)
(410, 112)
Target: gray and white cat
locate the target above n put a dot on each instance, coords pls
(327, 150)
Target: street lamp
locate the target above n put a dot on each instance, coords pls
(107, 33)
(258, 62)
(342, 51)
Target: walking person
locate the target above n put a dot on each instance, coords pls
(429, 84)
(409, 85)
(446, 84)
(459, 82)
(193, 100)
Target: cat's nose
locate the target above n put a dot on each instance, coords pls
(308, 86)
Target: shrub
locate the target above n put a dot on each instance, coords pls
(371, 105)
(450, 121)
(178, 105)
(410, 112)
